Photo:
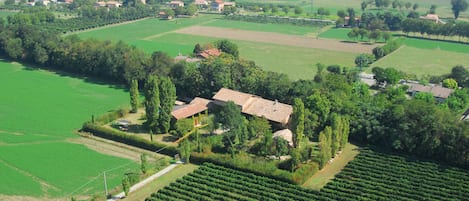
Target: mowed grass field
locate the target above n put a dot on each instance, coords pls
(423, 61)
(159, 35)
(39, 111)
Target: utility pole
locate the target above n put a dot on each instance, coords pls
(105, 184)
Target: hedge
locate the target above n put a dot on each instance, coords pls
(122, 137)
(280, 20)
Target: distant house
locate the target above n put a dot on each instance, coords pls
(212, 52)
(368, 79)
(113, 4)
(217, 5)
(273, 111)
(347, 19)
(100, 4)
(195, 107)
(201, 3)
(432, 17)
(229, 4)
(285, 134)
(440, 93)
(175, 4)
(180, 58)
(164, 16)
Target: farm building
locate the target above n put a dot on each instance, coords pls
(217, 5)
(432, 17)
(213, 52)
(201, 3)
(175, 4)
(194, 108)
(273, 111)
(440, 93)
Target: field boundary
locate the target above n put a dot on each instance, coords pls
(276, 38)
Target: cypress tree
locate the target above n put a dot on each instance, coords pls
(134, 96)
(298, 121)
(152, 102)
(167, 99)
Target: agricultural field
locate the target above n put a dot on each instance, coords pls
(377, 176)
(40, 111)
(423, 61)
(370, 176)
(297, 58)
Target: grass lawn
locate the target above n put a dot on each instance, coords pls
(39, 111)
(321, 178)
(434, 44)
(423, 61)
(161, 182)
(336, 33)
(252, 26)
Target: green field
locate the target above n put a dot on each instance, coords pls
(4, 14)
(157, 35)
(252, 26)
(423, 61)
(296, 62)
(336, 33)
(434, 44)
(39, 111)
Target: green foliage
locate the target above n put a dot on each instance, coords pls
(152, 102)
(458, 6)
(281, 147)
(259, 127)
(450, 83)
(126, 185)
(297, 121)
(458, 100)
(167, 95)
(228, 47)
(364, 60)
(183, 126)
(295, 158)
(134, 96)
(279, 20)
(425, 96)
(185, 150)
(325, 142)
(143, 163)
(231, 119)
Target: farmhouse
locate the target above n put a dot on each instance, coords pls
(217, 5)
(440, 93)
(175, 4)
(432, 17)
(213, 52)
(273, 111)
(201, 3)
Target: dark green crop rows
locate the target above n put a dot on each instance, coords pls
(371, 176)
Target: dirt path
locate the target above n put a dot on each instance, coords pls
(276, 38)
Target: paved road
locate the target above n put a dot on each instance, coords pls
(144, 182)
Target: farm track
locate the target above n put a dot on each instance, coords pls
(276, 38)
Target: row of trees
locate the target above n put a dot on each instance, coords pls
(333, 139)
(374, 35)
(160, 95)
(460, 29)
(280, 20)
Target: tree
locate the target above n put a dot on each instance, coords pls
(325, 146)
(9, 2)
(152, 102)
(228, 47)
(298, 10)
(375, 35)
(460, 74)
(341, 13)
(425, 96)
(364, 60)
(258, 126)
(191, 10)
(351, 14)
(432, 9)
(126, 185)
(408, 5)
(336, 133)
(233, 122)
(415, 6)
(185, 150)
(295, 158)
(450, 83)
(167, 99)
(281, 147)
(298, 121)
(458, 6)
(134, 96)
(285, 9)
(353, 33)
(143, 163)
(364, 5)
(363, 33)
(197, 49)
(386, 36)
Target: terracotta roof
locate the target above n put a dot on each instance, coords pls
(230, 3)
(177, 2)
(437, 91)
(256, 106)
(209, 53)
(196, 106)
(285, 134)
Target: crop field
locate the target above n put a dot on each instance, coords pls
(295, 60)
(370, 176)
(436, 45)
(39, 112)
(423, 61)
(378, 176)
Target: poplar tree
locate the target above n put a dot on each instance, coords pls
(152, 102)
(134, 96)
(298, 121)
(325, 138)
(336, 133)
(167, 99)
